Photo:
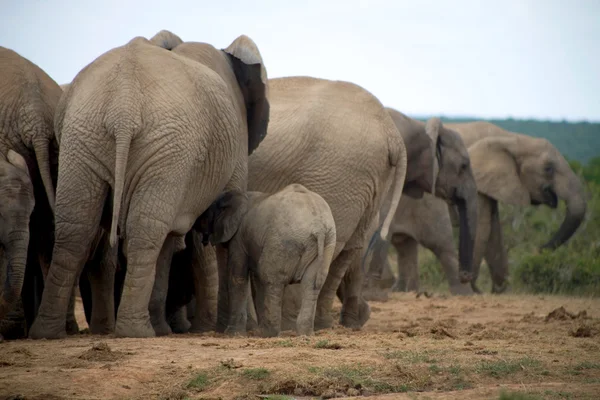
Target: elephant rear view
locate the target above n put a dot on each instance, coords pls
(281, 238)
(336, 139)
(160, 135)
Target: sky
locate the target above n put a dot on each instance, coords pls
(489, 59)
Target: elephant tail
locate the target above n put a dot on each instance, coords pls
(398, 159)
(122, 144)
(325, 250)
(41, 148)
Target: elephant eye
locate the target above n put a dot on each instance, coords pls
(548, 169)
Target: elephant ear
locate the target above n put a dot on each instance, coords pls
(229, 211)
(166, 39)
(496, 170)
(432, 128)
(251, 75)
(17, 160)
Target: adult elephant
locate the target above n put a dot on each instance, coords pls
(336, 139)
(517, 169)
(454, 183)
(514, 169)
(28, 99)
(165, 145)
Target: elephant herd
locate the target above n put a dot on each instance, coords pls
(181, 189)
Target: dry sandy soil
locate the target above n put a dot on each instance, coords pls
(412, 348)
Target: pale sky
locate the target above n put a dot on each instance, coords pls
(483, 58)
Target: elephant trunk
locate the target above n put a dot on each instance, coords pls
(574, 197)
(466, 203)
(16, 254)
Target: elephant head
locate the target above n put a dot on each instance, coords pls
(16, 206)
(522, 170)
(240, 65)
(223, 218)
(438, 163)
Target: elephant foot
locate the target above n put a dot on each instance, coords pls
(72, 327)
(398, 287)
(46, 328)
(501, 288)
(139, 328)
(461, 290)
(162, 329)
(179, 322)
(181, 326)
(355, 313)
(101, 327)
(268, 331)
(251, 325)
(364, 313)
(323, 321)
(199, 326)
(305, 329)
(475, 288)
(233, 331)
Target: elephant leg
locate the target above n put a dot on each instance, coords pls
(449, 260)
(252, 321)
(495, 253)
(269, 320)
(97, 286)
(223, 294)
(178, 320)
(407, 250)
(292, 297)
(379, 274)
(484, 215)
(238, 289)
(78, 214)
(158, 298)
(144, 245)
(206, 285)
(337, 270)
(355, 310)
(71, 325)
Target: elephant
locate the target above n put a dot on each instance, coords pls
(283, 238)
(454, 182)
(336, 139)
(28, 99)
(156, 149)
(18, 201)
(521, 170)
(438, 163)
(511, 168)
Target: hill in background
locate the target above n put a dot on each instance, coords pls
(575, 140)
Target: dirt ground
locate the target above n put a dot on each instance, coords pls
(412, 348)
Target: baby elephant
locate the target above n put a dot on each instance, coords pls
(280, 239)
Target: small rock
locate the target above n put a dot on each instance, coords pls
(352, 392)
(328, 394)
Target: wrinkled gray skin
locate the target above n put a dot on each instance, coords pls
(515, 169)
(16, 192)
(454, 184)
(28, 99)
(283, 238)
(337, 140)
(438, 162)
(162, 147)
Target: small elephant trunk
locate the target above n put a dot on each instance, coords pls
(16, 254)
(467, 213)
(574, 197)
